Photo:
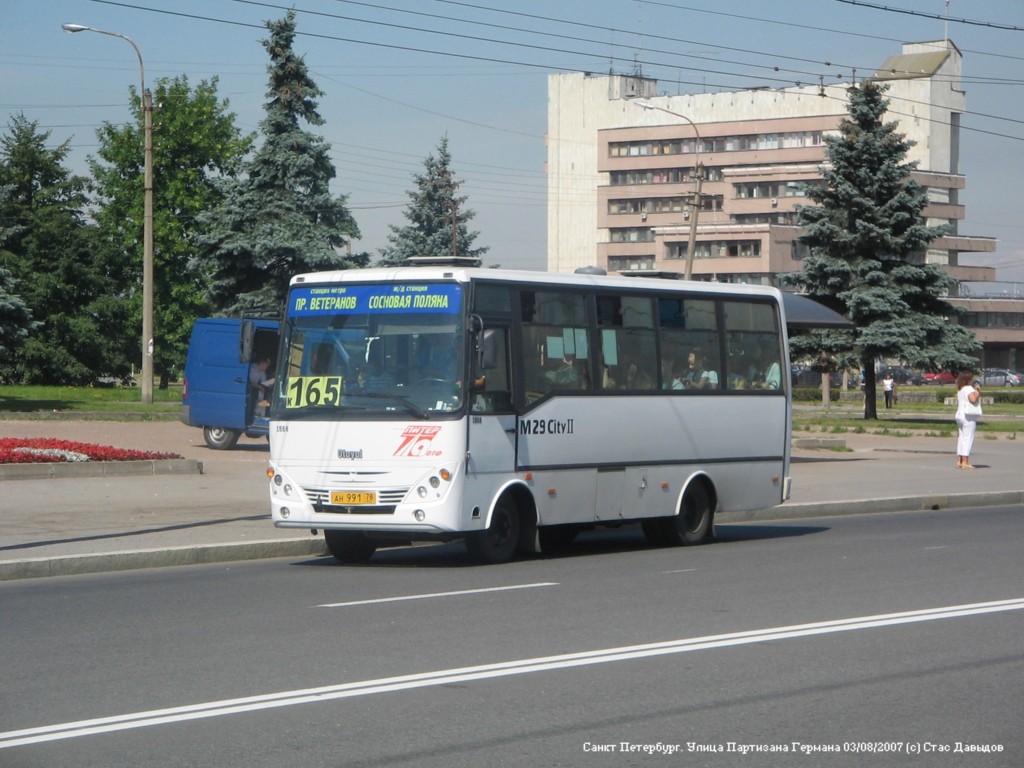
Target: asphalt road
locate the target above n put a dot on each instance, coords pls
(898, 632)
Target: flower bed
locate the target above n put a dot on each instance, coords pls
(38, 450)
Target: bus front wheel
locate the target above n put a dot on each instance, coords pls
(350, 547)
(498, 543)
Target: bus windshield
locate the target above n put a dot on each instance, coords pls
(365, 351)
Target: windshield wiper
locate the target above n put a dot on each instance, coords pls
(404, 401)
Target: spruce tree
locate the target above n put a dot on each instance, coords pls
(15, 317)
(280, 218)
(63, 271)
(438, 218)
(867, 240)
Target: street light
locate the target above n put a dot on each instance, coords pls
(698, 170)
(147, 215)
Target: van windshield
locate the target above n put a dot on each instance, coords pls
(363, 351)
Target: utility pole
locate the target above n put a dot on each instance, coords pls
(698, 171)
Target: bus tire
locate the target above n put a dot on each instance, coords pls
(220, 438)
(350, 547)
(555, 538)
(500, 540)
(693, 522)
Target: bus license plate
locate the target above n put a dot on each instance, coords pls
(353, 498)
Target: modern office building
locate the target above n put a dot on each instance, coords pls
(622, 175)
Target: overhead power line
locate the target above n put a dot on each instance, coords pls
(939, 16)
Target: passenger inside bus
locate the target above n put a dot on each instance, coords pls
(564, 374)
(771, 377)
(699, 375)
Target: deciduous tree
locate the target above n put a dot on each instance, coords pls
(195, 142)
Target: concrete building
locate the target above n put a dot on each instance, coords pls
(622, 180)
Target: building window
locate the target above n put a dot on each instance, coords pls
(716, 249)
(627, 263)
(796, 139)
(632, 235)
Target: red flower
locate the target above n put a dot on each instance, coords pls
(47, 449)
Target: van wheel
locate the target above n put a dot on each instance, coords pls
(350, 547)
(692, 523)
(499, 542)
(220, 438)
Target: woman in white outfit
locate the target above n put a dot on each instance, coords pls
(966, 392)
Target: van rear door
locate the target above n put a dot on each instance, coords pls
(217, 381)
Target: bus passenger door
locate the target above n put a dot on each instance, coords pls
(492, 421)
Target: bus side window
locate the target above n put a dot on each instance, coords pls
(556, 354)
(754, 346)
(628, 359)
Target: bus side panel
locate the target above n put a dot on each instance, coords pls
(737, 440)
(565, 496)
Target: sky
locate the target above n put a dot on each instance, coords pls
(399, 75)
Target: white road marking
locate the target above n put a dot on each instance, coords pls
(211, 709)
(439, 594)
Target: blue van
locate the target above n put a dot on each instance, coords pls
(217, 394)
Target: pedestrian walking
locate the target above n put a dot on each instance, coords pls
(968, 411)
(889, 388)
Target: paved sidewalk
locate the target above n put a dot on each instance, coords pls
(215, 507)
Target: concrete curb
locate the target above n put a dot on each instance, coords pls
(60, 469)
(73, 565)
(868, 506)
(76, 565)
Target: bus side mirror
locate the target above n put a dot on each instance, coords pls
(246, 340)
(488, 349)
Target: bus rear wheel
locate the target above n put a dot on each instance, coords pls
(690, 526)
(350, 547)
(693, 522)
(498, 543)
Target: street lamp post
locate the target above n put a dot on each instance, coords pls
(147, 215)
(698, 170)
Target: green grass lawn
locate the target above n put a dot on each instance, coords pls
(16, 399)
(933, 418)
(922, 419)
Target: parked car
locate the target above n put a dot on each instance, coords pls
(942, 377)
(902, 376)
(998, 377)
(805, 376)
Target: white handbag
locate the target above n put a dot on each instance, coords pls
(972, 410)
